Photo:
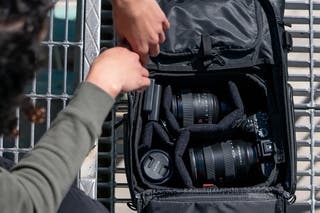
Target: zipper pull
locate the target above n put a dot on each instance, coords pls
(138, 196)
(139, 202)
(215, 59)
(291, 198)
(220, 60)
(132, 206)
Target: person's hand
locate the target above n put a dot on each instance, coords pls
(142, 24)
(118, 70)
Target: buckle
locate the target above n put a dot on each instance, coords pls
(287, 41)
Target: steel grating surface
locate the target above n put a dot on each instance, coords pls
(74, 39)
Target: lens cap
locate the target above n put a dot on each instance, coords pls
(156, 166)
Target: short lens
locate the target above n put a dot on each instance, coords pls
(156, 166)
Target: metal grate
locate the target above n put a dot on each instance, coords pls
(66, 54)
(304, 77)
(57, 77)
(74, 39)
(106, 147)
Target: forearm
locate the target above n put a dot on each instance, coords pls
(45, 175)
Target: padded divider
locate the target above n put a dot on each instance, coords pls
(137, 161)
(137, 138)
(228, 121)
(166, 105)
(181, 147)
(151, 130)
(272, 177)
(279, 147)
(225, 124)
(138, 130)
(258, 81)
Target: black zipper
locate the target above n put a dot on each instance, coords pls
(217, 197)
(278, 58)
(226, 72)
(127, 132)
(292, 145)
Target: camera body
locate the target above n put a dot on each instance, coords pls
(258, 125)
(234, 162)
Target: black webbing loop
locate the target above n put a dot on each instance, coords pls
(206, 46)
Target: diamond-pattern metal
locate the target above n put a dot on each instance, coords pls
(88, 173)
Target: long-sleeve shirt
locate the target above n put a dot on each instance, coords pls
(42, 178)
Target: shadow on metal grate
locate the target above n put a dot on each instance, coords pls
(304, 67)
(106, 143)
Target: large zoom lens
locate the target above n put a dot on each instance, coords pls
(197, 108)
(226, 163)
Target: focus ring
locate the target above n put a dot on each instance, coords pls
(210, 163)
(230, 170)
(187, 106)
(215, 109)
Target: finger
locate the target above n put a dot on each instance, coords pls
(166, 25)
(144, 58)
(142, 51)
(145, 83)
(154, 50)
(162, 37)
(145, 72)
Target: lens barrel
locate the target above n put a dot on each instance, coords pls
(195, 108)
(222, 163)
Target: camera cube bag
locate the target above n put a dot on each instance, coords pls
(215, 130)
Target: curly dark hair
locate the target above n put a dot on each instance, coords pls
(21, 24)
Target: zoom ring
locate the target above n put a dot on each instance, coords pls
(210, 163)
(187, 106)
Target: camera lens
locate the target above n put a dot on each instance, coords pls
(222, 163)
(156, 166)
(197, 108)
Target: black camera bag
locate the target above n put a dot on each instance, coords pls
(236, 50)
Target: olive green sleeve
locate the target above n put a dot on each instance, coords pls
(40, 181)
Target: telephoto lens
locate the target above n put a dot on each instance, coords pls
(225, 163)
(197, 108)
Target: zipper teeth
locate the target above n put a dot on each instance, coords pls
(193, 73)
(168, 73)
(292, 146)
(220, 197)
(209, 191)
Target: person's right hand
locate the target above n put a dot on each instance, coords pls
(142, 24)
(118, 70)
